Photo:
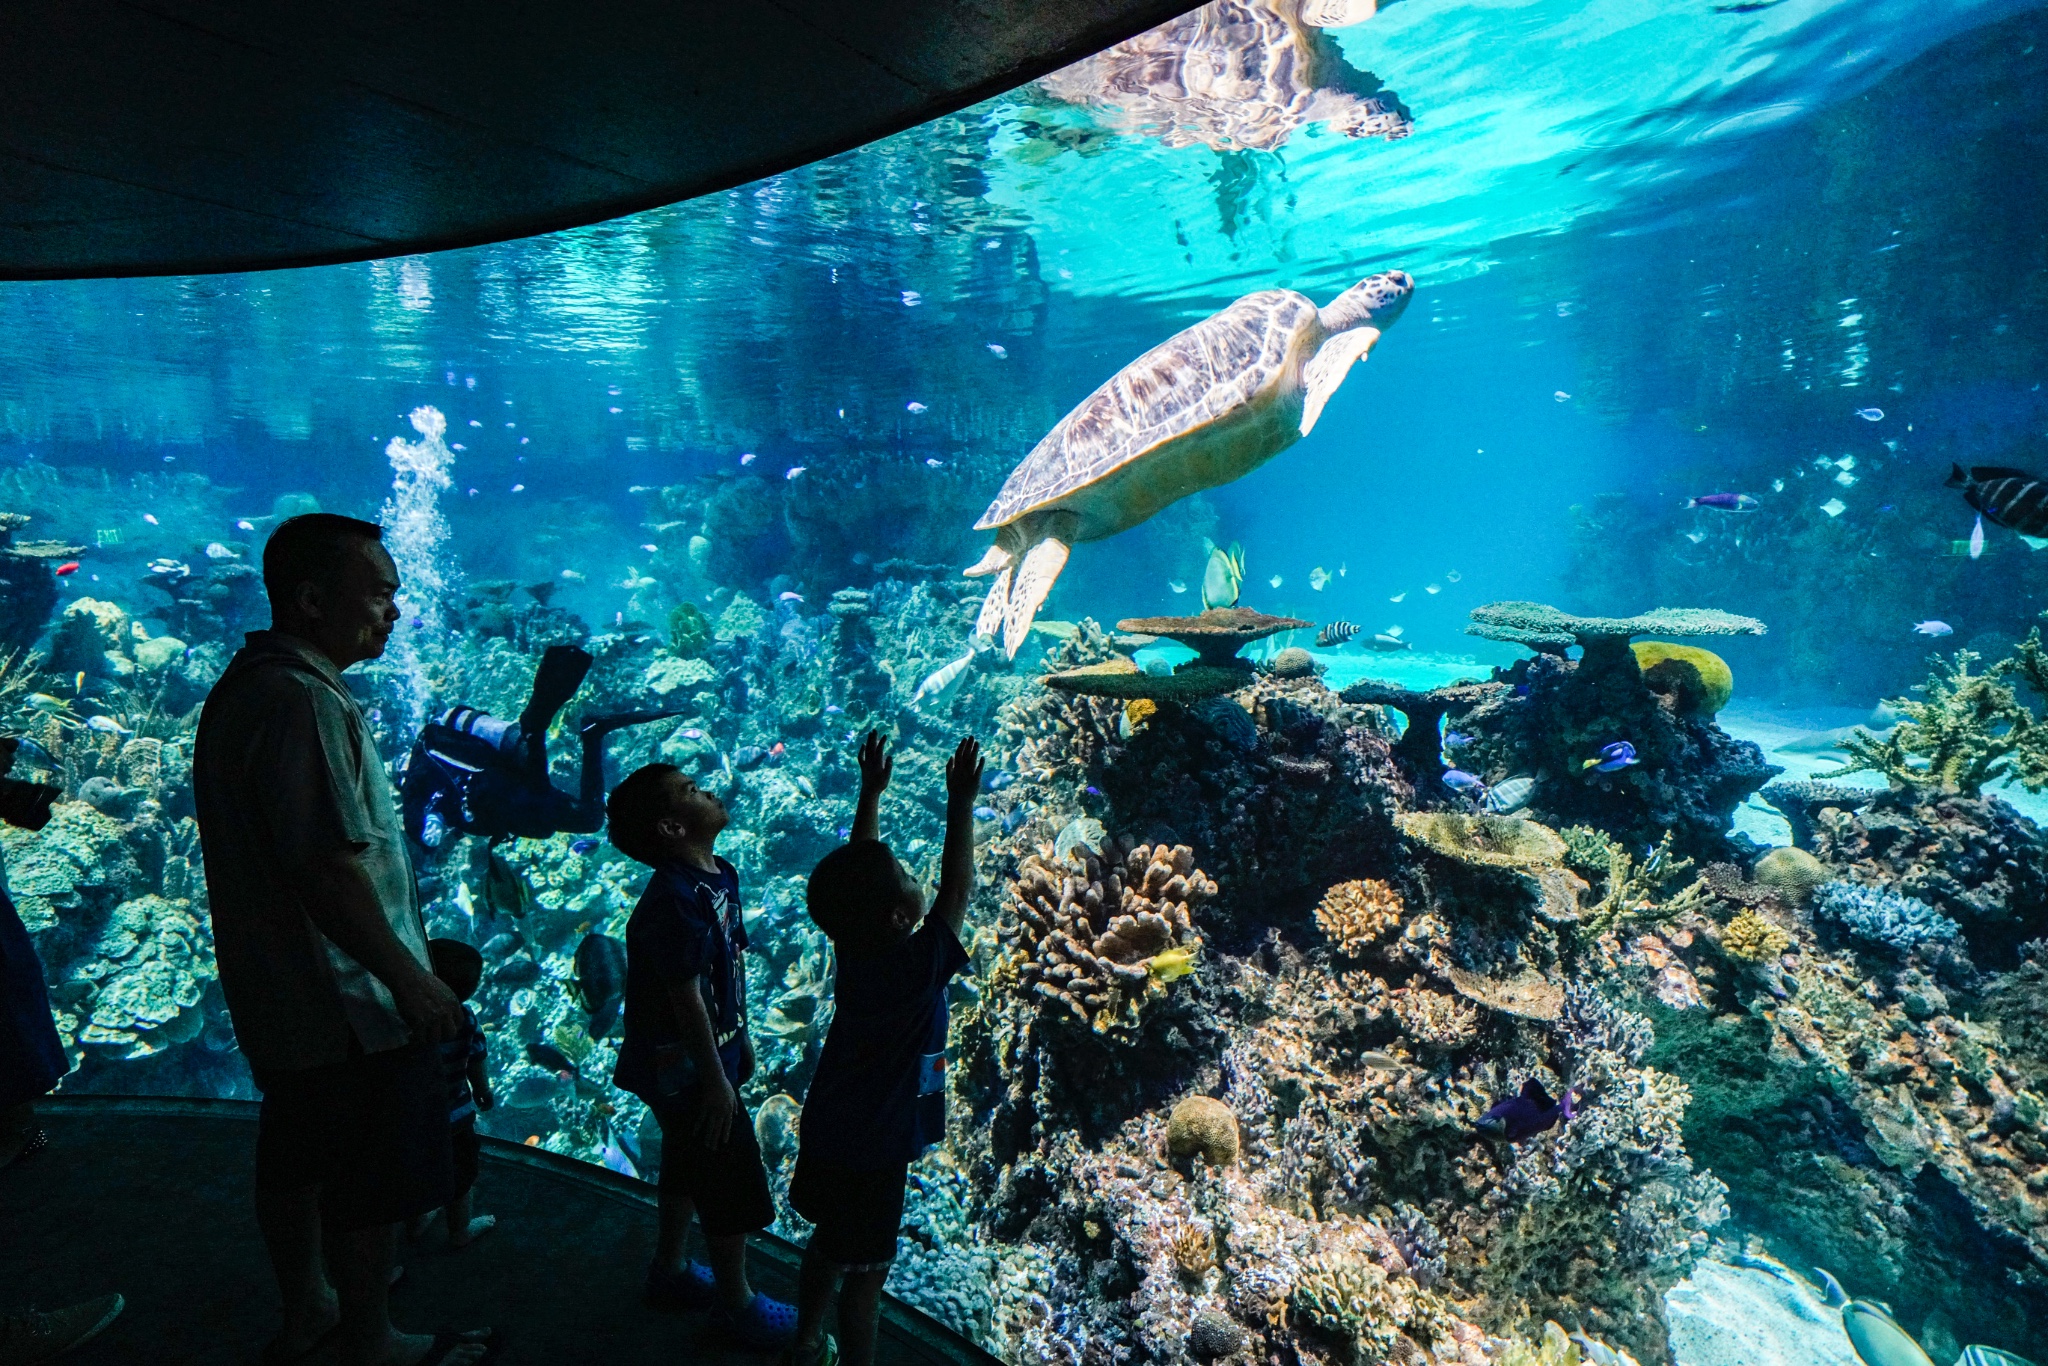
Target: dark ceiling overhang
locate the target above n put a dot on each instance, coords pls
(168, 137)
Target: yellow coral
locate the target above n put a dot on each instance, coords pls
(1753, 939)
(1205, 1125)
(1355, 915)
(1138, 711)
(1700, 678)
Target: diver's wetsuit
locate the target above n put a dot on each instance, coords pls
(474, 774)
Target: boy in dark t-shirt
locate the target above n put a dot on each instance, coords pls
(878, 1098)
(686, 1050)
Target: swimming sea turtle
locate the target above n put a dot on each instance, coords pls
(1202, 408)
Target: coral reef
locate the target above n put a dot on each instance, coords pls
(1883, 917)
(1699, 679)
(1202, 1126)
(1752, 938)
(1792, 873)
(1356, 915)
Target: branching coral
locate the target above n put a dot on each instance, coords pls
(1963, 735)
(1100, 940)
(1433, 1019)
(1357, 915)
(1634, 889)
(1883, 917)
(1753, 939)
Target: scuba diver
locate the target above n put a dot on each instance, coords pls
(474, 774)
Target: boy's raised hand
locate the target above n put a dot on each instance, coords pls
(963, 771)
(876, 763)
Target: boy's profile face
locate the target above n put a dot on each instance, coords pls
(908, 908)
(690, 810)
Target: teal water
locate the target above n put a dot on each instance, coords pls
(1660, 251)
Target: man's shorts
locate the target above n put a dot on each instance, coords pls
(857, 1213)
(728, 1185)
(372, 1133)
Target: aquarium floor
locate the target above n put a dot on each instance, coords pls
(150, 1198)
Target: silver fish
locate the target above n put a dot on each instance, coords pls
(1384, 642)
(1223, 579)
(1877, 1337)
(1384, 1062)
(1510, 794)
(943, 683)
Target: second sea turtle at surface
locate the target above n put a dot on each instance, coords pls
(1206, 406)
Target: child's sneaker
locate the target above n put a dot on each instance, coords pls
(690, 1288)
(766, 1325)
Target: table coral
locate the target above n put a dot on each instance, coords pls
(1356, 915)
(1098, 937)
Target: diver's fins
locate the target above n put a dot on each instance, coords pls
(560, 674)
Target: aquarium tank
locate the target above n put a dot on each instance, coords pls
(1494, 551)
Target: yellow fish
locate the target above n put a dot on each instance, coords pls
(1164, 967)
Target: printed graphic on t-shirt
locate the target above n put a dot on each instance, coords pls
(931, 1072)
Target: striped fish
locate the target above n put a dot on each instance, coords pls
(1336, 633)
(2011, 498)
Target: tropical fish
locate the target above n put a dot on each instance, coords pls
(1082, 832)
(1274, 581)
(1846, 479)
(1398, 596)
(1934, 628)
(1977, 539)
(749, 458)
(1871, 414)
(943, 683)
(1834, 507)
(789, 597)
(984, 813)
(933, 462)
(1165, 967)
(1000, 779)
(1511, 794)
(216, 551)
(601, 977)
(1343, 569)
(1726, 502)
(546, 1055)
(1561, 396)
(1459, 780)
(2013, 499)
(1527, 1114)
(1318, 577)
(245, 525)
(106, 725)
(1388, 640)
(1456, 739)
(998, 350)
(150, 517)
(1223, 578)
(47, 703)
(1176, 585)
(691, 733)
(1977, 1354)
(505, 892)
(1452, 576)
(1877, 1337)
(1620, 754)
(794, 472)
(582, 846)
(1433, 589)
(615, 1158)
(68, 567)
(914, 406)
(1336, 633)
(1385, 1062)
(749, 756)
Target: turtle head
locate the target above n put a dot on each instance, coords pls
(1376, 300)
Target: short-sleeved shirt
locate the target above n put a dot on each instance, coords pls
(456, 1055)
(686, 926)
(284, 773)
(879, 1096)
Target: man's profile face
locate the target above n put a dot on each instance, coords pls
(355, 615)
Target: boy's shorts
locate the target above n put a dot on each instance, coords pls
(857, 1213)
(728, 1185)
(372, 1133)
(468, 1154)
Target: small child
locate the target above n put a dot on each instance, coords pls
(686, 1051)
(461, 968)
(878, 1099)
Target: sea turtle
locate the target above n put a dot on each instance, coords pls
(1202, 408)
(1235, 75)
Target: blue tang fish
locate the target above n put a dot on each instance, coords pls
(1620, 754)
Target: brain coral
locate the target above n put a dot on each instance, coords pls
(1202, 1124)
(1791, 873)
(1701, 679)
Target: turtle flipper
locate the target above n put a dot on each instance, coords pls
(1033, 581)
(1327, 368)
(991, 619)
(995, 558)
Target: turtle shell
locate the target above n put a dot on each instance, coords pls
(1246, 357)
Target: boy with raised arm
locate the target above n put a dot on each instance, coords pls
(878, 1099)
